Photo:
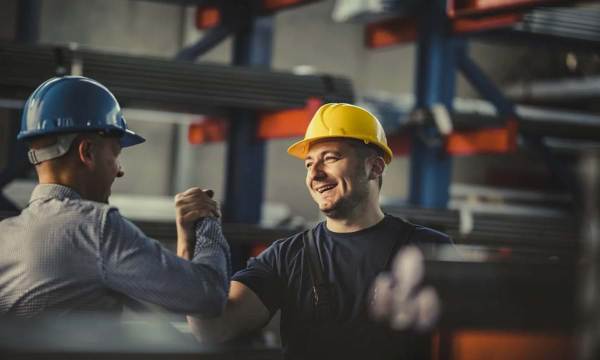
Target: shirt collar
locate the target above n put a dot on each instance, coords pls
(53, 191)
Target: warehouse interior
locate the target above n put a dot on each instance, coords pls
(491, 108)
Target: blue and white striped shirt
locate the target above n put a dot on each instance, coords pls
(64, 254)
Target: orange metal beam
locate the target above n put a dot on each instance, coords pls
(287, 123)
(208, 130)
(458, 8)
(391, 32)
(484, 141)
(272, 125)
(404, 30)
(505, 345)
(273, 5)
(207, 17)
(466, 16)
(470, 25)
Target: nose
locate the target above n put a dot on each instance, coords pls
(315, 172)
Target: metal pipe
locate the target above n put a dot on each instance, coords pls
(589, 281)
(556, 90)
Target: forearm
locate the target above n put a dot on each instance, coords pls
(186, 286)
(243, 313)
(212, 250)
(185, 242)
(210, 330)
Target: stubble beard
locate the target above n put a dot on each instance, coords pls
(345, 207)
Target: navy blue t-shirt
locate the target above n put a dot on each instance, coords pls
(280, 276)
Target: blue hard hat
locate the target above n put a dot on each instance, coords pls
(74, 104)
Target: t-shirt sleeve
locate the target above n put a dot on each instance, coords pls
(263, 276)
(423, 235)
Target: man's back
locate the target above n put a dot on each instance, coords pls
(66, 254)
(49, 256)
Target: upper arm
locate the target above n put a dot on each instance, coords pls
(243, 313)
(245, 306)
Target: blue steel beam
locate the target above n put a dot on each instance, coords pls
(244, 186)
(431, 167)
(484, 85)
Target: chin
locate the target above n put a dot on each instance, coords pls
(331, 211)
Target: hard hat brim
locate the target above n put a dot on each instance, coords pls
(300, 149)
(130, 138)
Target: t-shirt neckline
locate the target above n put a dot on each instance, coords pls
(353, 234)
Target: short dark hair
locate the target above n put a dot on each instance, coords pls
(365, 151)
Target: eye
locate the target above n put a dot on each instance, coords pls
(308, 165)
(330, 158)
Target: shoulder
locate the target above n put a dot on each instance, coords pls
(114, 223)
(421, 234)
(65, 212)
(86, 208)
(283, 253)
(286, 248)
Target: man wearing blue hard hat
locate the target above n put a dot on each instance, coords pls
(69, 250)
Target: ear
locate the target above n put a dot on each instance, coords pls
(85, 152)
(376, 167)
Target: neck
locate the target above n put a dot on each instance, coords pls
(362, 217)
(64, 178)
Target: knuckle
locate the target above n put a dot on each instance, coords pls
(193, 190)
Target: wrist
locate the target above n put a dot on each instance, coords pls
(185, 241)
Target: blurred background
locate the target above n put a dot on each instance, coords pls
(492, 108)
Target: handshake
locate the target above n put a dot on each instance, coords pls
(191, 206)
(194, 204)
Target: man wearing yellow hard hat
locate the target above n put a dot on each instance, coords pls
(321, 278)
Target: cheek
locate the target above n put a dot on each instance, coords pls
(307, 181)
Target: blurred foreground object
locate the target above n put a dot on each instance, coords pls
(104, 336)
(399, 295)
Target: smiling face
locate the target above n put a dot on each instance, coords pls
(336, 177)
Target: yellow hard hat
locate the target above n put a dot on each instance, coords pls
(342, 121)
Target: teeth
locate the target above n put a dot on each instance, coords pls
(325, 188)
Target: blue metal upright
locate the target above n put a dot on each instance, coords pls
(484, 85)
(27, 30)
(431, 167)
(245, 153)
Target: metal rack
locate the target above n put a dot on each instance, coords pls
(440, 29)
(245, 93)
(163, 84)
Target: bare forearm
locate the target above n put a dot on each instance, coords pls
(185, 242)
(244, 312)
(210, 331)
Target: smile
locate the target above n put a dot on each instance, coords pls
(323, 188)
